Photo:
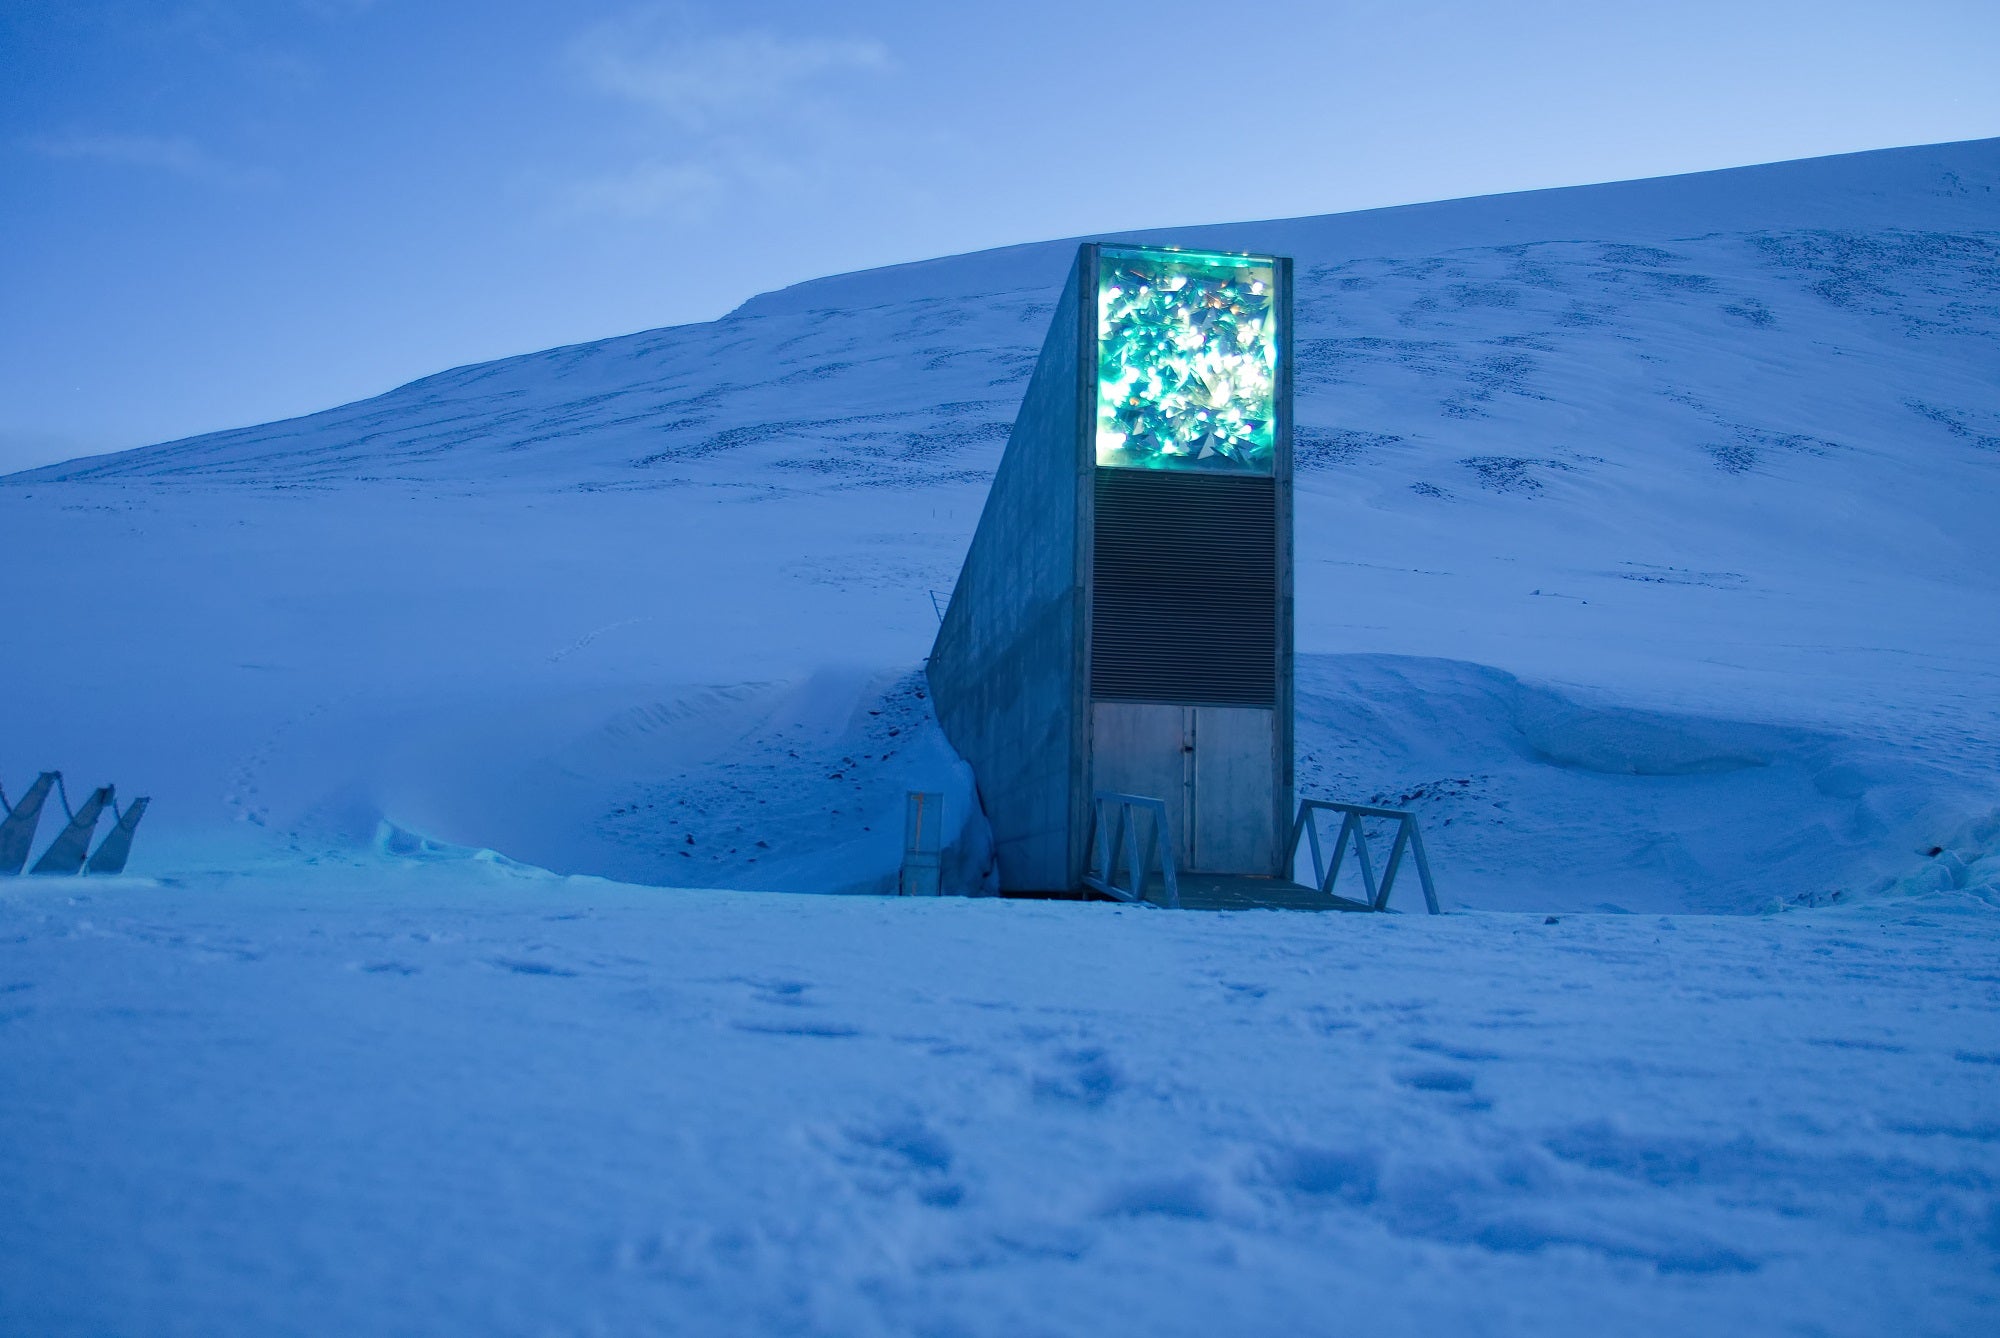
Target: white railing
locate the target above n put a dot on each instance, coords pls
(1117, 844)
(1408, 841)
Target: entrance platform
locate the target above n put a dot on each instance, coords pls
(1239, 892)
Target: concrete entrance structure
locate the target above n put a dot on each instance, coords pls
(1123, 620)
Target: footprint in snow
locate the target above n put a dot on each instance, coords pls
(1449, 1081)
(524, 967)
(834, 1029)
(1463, 1054)
(1194, 1197)
(785, 993)
(1321, 1174)
(901, 1156)
(1086, 1078)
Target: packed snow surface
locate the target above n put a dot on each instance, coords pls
(1646, 549)
(454, 1096)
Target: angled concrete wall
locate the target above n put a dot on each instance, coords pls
(1008, 672)
(1011, 670)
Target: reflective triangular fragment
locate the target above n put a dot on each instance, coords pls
(67, 854)
(117, 845)
(17, 833)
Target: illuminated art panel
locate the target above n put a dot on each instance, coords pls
(1187, 356)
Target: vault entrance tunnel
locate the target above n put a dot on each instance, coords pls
(1123, 621)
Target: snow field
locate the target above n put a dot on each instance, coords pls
(1721, 448)
(457, 1096)
(585, 681)
(1644, 548)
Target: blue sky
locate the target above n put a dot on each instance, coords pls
(224, 212)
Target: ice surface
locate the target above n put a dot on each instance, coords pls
(1646, 549)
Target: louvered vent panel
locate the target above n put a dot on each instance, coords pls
(1185, 594)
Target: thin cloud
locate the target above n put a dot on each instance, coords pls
(710, 81)
(338, 9)
(686, 191)
(689, 190)
(175, 154)
(711, 122)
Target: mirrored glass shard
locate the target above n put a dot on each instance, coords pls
(1187, 356)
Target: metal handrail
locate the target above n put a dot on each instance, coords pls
(1123, 841)
(1408, 840)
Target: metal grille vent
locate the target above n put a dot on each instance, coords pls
(1184, 598)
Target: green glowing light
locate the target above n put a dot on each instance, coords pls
(1187, 357)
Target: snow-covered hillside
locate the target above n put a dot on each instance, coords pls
(1647, 548)
(1724, 449)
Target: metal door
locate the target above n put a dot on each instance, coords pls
(1147, 748)
(1232, 790)
(1212, 766)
